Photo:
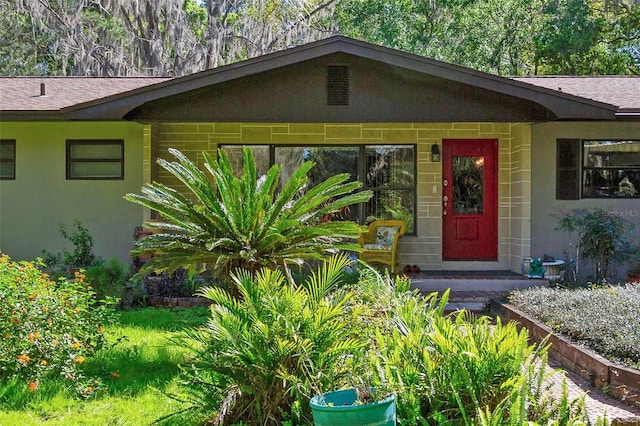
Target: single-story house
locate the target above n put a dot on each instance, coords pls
(475, 163)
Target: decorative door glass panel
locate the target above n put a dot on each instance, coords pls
(468, 185)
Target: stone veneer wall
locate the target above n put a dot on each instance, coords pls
(425, 248)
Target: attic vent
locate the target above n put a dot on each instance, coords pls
(338, 79)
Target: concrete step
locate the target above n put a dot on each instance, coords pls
(467, 306)
(472, 290)
(430, 284)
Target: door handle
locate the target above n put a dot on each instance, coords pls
(445, 183)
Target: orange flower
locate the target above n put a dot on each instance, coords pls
(33, 385)
(115, 375)
(23, 359)
(33, 296)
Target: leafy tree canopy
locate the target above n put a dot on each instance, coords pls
(179, 37)
(508, 37)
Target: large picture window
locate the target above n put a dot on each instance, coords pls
(387, 170)
(7, 159)
(611, 168)
(101, 159)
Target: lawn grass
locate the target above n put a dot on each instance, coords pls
(137, 374)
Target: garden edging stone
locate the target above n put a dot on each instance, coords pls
(619, 382)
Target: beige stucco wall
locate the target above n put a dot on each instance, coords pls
(40, 199)
(425, 248)
(544, 239)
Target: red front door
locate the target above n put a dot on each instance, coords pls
(469, 199)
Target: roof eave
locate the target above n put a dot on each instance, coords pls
(31, 115)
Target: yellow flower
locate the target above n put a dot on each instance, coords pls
(76, 345)
(43, 362)
(79, 359)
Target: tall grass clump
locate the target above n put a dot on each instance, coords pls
(261, 356)
(452, 369)
(603, 318)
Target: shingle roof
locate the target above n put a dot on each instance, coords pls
(113, 98)
(23, 93)
(620, 91)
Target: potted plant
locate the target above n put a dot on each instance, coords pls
(354, 406)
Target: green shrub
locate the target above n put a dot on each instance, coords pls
(108, 278)
(601, 238)
(47, 327)
(262, 355)
(603, 318)
(60, 264)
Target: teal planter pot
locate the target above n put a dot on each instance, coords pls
(338, 409)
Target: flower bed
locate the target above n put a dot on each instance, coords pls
(569, 316)
(603, 319)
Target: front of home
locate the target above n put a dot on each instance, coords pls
(474, 163)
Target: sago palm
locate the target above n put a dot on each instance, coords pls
(227, 221)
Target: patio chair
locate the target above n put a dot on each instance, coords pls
(380, 243)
